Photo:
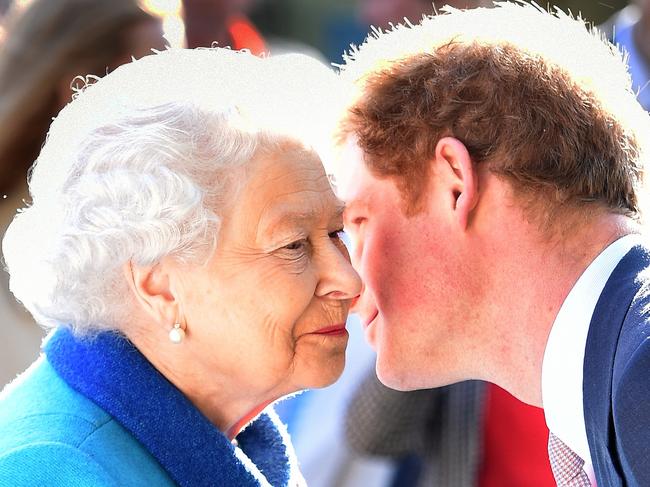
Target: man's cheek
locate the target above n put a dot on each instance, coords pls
(379, 261)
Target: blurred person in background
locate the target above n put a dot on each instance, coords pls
(226, 23)
(48, 43)
(221, 22)
(630, 30)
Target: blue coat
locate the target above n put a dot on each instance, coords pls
(616, 387)
(96, 413)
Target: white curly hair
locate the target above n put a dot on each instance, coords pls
(142, 164)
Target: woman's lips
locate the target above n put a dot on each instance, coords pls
(333, 330)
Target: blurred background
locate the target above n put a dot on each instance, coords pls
(331, 25)
(45, 45)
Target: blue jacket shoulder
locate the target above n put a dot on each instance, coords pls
(52, 435)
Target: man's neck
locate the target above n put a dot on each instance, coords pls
(539, 274)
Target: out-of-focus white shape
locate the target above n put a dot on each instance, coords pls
(169, 12)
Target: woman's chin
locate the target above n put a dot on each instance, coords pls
(327, 373)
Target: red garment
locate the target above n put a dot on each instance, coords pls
(244, 35)
(515, 439)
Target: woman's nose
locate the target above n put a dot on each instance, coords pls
(338, 280)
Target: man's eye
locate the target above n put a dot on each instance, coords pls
(338, 234)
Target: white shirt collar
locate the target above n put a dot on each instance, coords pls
(562, 366)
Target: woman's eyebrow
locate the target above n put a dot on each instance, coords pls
(283, 218)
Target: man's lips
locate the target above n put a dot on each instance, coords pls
(338, 329)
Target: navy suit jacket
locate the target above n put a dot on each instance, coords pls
(616, 384)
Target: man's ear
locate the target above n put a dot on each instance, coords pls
(151, 287)
(454, 164)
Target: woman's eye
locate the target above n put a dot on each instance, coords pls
(297, 245)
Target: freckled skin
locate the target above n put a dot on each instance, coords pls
(252, 310)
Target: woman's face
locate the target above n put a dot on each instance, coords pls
(268, 310)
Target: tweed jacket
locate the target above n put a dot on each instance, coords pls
(442, 426)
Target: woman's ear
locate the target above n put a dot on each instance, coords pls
(151, 287)
(453, 160)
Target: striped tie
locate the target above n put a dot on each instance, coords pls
(566, 464)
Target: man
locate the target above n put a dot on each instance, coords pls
(450, 435)
(492, 163)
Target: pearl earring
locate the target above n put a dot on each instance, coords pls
(176, 334)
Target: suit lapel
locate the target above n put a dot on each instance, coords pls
(602, 342)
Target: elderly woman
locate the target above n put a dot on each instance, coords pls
(183, 243)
